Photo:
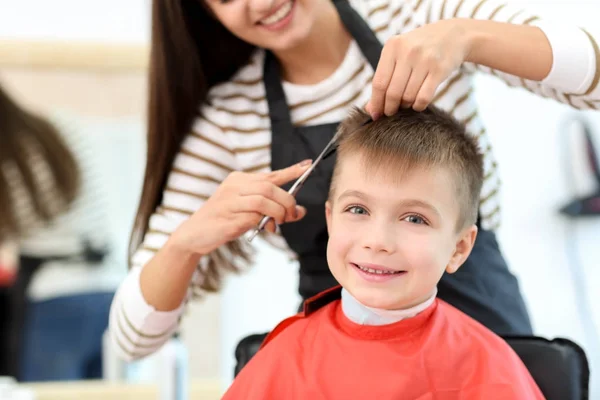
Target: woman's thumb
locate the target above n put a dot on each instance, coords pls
(300, 213)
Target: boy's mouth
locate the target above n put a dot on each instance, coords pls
(376, 269)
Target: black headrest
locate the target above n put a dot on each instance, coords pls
(559, 366)
(246, 349)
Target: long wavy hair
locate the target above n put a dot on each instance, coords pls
(26, 142)
(191, 51)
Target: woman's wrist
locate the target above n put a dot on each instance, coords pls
(178, 247)
(474, 38)
(519, 50)
(165, 279)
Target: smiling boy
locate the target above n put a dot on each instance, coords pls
(402, 210)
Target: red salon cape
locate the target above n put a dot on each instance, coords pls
(440, 354)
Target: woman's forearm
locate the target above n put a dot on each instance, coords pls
(519, 50)
(165, 279)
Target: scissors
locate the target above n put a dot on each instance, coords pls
(327, 151)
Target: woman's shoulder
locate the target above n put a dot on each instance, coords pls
(238, 104)
(376, 12)
(389, 17)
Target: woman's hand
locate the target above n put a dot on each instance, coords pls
(413, 65)
(238, 205)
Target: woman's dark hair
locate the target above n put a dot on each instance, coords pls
(190, 52)
(28, 141)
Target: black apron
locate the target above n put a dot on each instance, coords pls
(483, 287)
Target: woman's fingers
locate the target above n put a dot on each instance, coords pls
(271, 227)
(282, 176)
(417, 78)
(260, 205)
(395, 92)
(381, 81)
(430, 52)
(300, 213)
(426, 93)
(272, 192)
(257, 195)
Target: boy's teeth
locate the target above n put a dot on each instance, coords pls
(375, 271)
(279, 15)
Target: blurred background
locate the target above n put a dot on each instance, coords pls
(84, 63)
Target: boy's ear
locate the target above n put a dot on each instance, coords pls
(328, 215)
(463, 248)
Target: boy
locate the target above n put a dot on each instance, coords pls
(402, 210)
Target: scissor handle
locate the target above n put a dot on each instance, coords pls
(295, 187)
(263, 222)
(260, 227)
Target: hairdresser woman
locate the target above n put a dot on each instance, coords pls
(242, 91)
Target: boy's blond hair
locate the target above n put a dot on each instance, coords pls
(410, 139)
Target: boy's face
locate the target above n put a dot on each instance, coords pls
(391, 238)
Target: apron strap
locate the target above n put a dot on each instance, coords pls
(366, 39)
(279, 112)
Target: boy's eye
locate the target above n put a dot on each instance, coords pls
(415, 219)
(356, 210)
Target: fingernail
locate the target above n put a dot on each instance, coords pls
(305, 163)
(375, 116)
(295, 212)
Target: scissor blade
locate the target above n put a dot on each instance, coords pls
(295, 188)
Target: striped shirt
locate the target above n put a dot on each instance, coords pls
(232, 131)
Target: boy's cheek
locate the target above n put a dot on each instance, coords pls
(338, 249)
(345, 235)
(341, 238)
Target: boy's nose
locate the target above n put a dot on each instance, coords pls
(379, 238)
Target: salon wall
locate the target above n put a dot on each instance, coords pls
(543, 167)
(71, 20)
(535, 238)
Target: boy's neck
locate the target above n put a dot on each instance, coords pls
(363, 315)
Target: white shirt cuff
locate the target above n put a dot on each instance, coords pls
(574, 59)
(143, 316)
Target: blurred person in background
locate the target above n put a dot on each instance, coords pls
(241, 92)
(52, 212)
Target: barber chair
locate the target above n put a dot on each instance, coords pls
(246, 349)
(559, 367)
